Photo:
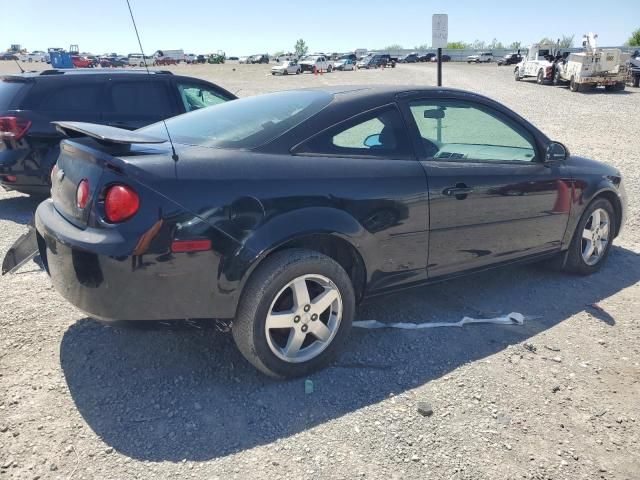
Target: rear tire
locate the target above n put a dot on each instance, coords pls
(636, 81)
(573, 85)
(268, 294)
(576, 262)
(540, 77)
(516, 74)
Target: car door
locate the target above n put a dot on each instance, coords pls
(376, 177)
(133, 103)
(491, 197)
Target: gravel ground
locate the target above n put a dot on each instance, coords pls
(556, 398)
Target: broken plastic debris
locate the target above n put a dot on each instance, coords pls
(513, 318)
(308, 386)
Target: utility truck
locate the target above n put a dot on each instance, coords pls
(538, 64)
(594, 67)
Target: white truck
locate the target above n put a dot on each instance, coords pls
(35, 56)
(317, 63)
(177, 55)
(594, 67)
(538, 63)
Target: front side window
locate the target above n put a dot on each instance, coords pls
(195, 96)
(379, 134)
(457, 130)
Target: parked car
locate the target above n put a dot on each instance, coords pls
(139, 60)
(128, 99)
(286, 68)
(318, 63)
(397, 192)
(190, 58)
(107, 62)
(445, 58)
(165, 61)
(345, 65)
(377, 60)
(201, 59)
(410, 58)
(35, 56)
(8, 56)
(81, 62)
(633, 69)
(426, 57)
(483, 57)
(244, 60)
(510, 59)
(260, 58)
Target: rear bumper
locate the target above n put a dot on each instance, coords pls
(92, 270)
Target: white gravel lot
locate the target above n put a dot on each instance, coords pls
(556, 398)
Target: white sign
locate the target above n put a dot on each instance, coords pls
(439, 30)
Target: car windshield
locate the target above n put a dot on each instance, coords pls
(245, 123)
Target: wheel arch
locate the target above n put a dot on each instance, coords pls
(329, 231)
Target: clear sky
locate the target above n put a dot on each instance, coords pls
(242, 27)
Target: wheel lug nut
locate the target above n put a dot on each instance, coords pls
(296, 319)
(304, 328)
(307, 308)
(314, 317)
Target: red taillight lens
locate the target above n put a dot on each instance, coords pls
(13, 128)
(9, 178)
(82, 194)
(120, 203)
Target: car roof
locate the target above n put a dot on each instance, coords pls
(84, 71)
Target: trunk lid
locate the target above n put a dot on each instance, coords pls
(90, 159)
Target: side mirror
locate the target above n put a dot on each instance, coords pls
(556, 152)
(372, 140)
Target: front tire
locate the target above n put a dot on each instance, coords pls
(540, 78)
(295, 313)
(516, 74)
(592, 238)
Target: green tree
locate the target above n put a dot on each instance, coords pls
(566, 41)
(479, 45)
(547, 41)
(301, 48)
(393, 46)
(515, 45)
(279, 53)
(495, 44)
(457, 45)
(634, 39)
(424, 46)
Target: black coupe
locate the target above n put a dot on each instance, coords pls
(283, 211)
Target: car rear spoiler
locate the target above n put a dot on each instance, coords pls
(104, 133)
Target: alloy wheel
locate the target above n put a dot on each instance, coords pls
(595, 236)
(303, 318)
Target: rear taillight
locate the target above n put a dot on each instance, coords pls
(13, 128)
(9, 178)
(120, 203)
(82, 194)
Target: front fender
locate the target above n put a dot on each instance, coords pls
(584, 193)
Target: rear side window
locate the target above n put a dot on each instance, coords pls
(150, 98)
(8, 92)
(76, 98)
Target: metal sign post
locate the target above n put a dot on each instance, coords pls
(439, 38)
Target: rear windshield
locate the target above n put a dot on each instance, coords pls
(8, 91)
(245, 123)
